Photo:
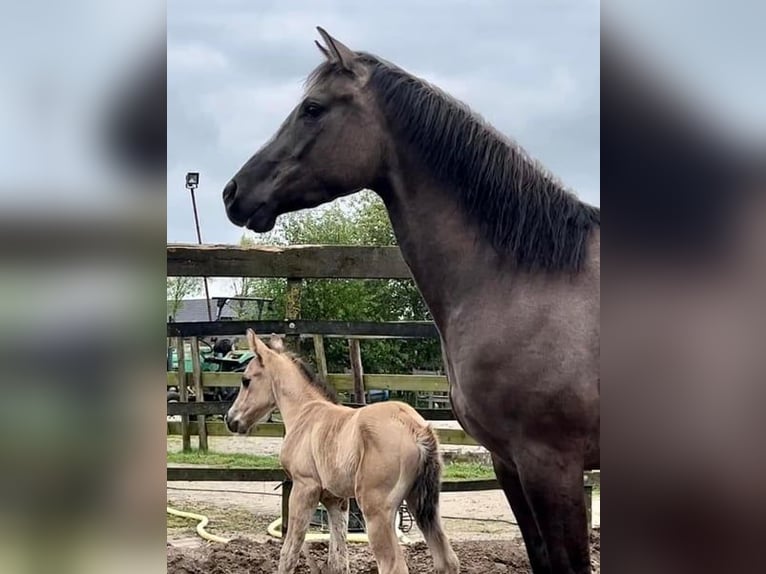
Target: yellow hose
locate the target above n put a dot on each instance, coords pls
(202, 522)
(275, 529)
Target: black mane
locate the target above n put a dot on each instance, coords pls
(320, 385)
(521, 209)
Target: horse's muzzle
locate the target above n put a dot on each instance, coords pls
(231, 424)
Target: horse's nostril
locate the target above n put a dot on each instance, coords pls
(230, 190)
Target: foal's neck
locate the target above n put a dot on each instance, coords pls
(292, 392)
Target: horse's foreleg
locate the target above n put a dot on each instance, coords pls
(337, 510)
(303, 501)
(552, 481)
(508, 477)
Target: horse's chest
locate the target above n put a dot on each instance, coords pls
(473, 421)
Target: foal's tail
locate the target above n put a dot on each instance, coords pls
(423, 499)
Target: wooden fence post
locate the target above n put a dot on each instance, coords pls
(320, 356)
(199, 391)
(183, 395)
(355, 354)
(293, 310)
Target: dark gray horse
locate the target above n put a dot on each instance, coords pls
(505, 257)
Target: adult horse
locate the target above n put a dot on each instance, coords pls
(505, 257)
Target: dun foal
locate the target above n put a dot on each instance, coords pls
(380, 454)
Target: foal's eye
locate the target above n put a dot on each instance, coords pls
(245, 382)
(313, 110)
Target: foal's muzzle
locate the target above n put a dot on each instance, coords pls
(231, 424)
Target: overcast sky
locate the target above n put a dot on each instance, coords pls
(236, 67)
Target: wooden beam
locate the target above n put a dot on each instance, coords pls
(293, 312)
(183, 394)
(357, 371)
(220, 474)
(220, 407)
(321, 357)
(340, 381)
(202, 473)
(200, 395)
(339, 329)
(276, 430)
(297, 261)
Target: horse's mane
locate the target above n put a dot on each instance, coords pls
(325, 390)
(521, 209)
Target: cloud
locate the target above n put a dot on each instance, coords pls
(235, 70)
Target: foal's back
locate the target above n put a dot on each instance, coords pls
(332, 442)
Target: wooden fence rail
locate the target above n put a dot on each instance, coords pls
(337, 329)
(220, 407)
(295, 262)
(277, 430)
(209, 474)
(340, 381)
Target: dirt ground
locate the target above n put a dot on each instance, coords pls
(478, 523)
(247, 557)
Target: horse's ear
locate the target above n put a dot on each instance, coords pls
(338, 51)
(277, 343)
(323, 50)
(252, 340)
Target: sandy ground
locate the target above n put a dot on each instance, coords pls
(245, 509)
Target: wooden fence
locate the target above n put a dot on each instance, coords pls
(295, 264)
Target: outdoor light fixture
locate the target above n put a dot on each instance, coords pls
(192, 180)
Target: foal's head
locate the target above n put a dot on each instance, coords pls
(256, 398)
(332, 144)
(267, 374)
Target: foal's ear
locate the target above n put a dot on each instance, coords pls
(277, 343)
(338, 52)
(255, 344)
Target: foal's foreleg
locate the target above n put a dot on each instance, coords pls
(303, 501)
(337, 510)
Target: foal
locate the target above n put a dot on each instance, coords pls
(380, 454)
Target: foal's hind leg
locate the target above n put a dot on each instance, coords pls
(553, 483)
(508, 477)
(445, 559)
(337, 511)
(379, 517)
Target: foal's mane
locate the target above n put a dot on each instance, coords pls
(520, 208)
(325, 390)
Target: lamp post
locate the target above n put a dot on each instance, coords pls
(192, 181)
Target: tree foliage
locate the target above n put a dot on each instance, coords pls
(358, 220)
(180, 288)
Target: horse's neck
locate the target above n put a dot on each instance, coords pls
(445, 252)
(291, 395)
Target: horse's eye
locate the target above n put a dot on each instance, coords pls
(245, 382)
(313, 110)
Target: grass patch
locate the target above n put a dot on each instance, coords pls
(452, 471)
(225, 460)
(468, 471)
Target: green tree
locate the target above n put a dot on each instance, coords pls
(358, 220)
(179, 288)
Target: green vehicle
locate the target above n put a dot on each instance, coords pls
(218, 358)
